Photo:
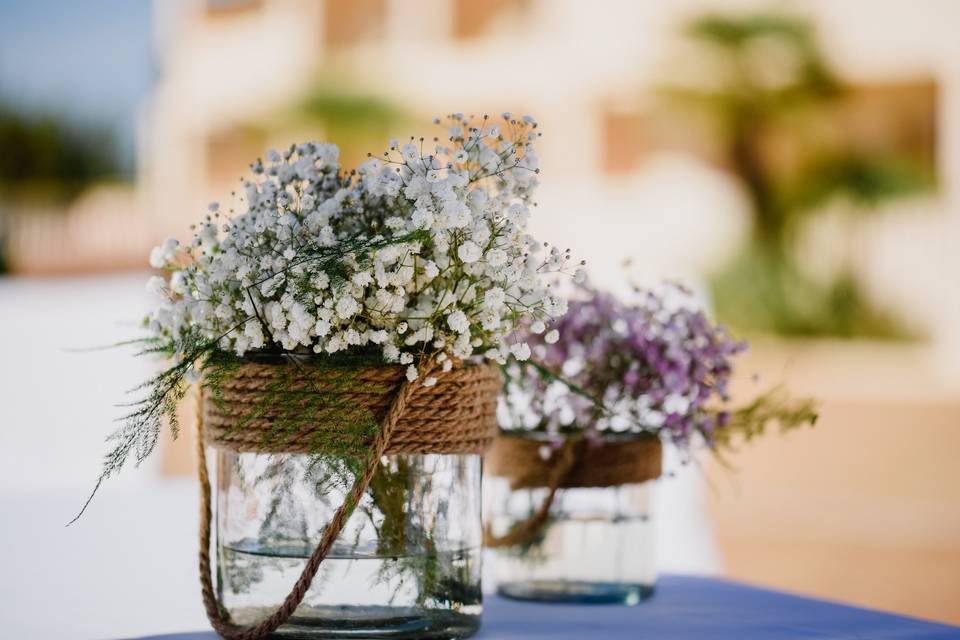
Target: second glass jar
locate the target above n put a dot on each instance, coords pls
(596, 544)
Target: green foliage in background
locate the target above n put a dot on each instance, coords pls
(765, 291)
(351, 113)
(46, 158)
(770, 80)
(329, 109)
(360, 122)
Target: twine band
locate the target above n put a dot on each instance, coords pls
(607, 463)
(575, 464)
(456, 415)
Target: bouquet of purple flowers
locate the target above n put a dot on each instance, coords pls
(657, 366)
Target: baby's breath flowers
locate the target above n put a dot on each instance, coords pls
(419, 254)
(423, 251)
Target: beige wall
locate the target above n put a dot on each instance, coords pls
(863, 508)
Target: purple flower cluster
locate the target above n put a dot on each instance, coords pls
(658, 366)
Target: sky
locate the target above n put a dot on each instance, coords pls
(90, 61)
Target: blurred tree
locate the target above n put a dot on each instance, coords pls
(328, 109)
(359, 123)
(45, 160)
(770, 100)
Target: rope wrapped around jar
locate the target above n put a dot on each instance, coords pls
(576, 463)
(364, 412)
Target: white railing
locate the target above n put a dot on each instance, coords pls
(102, 231)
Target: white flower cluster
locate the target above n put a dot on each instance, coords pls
(420, 252)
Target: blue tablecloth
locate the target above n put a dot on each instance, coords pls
(690, 608)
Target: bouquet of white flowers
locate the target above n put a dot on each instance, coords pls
(347, 316)
(422, 253)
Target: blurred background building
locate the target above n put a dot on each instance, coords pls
(797, 163)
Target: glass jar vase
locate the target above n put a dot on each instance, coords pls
(572, 523)
(405, 565)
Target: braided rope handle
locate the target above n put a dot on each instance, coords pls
(526, 530)
(215, 614)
